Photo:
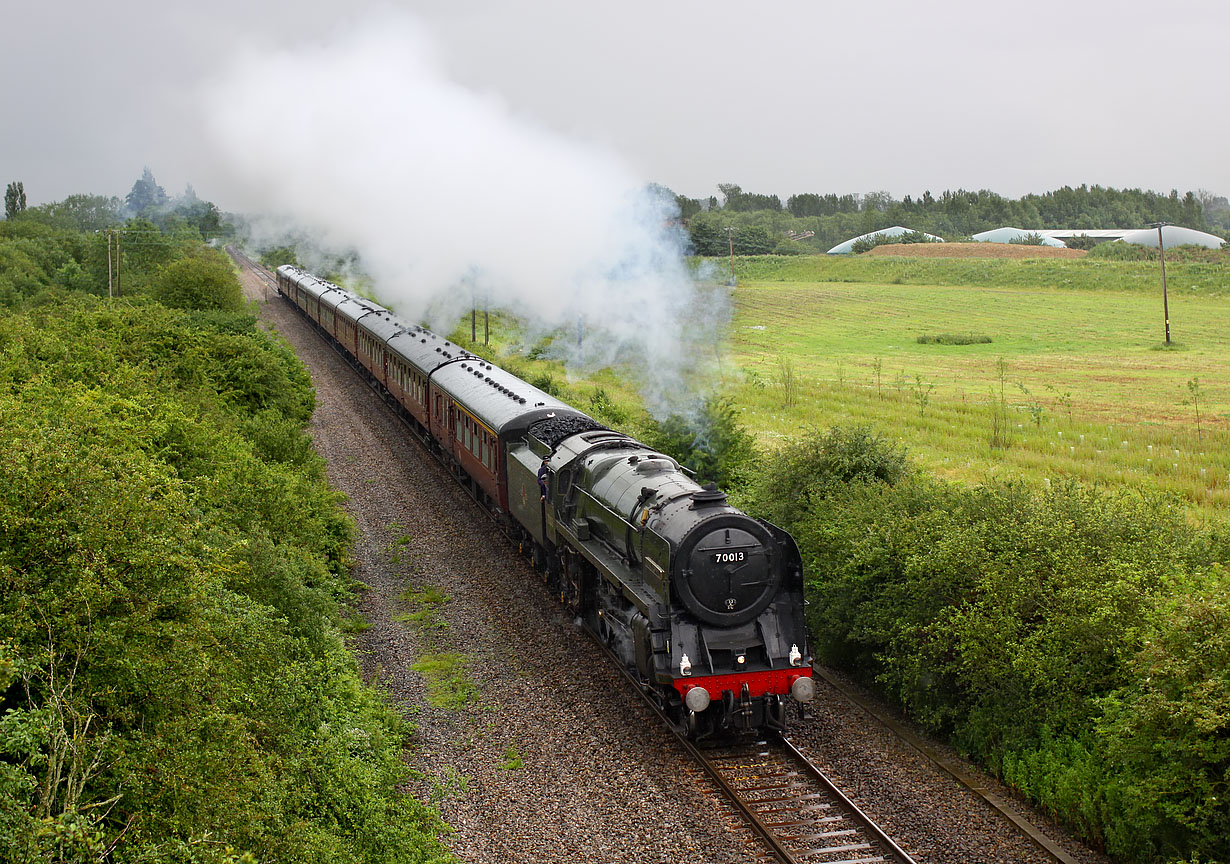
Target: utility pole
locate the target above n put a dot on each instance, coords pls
(486, 319)
(110, 295)
(1161, 245)
(118, 279)
(730, 235)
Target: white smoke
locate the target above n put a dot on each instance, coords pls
(449, 196)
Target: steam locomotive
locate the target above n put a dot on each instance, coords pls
(702, 603)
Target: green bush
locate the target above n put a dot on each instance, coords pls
(1072, 641)
(203, 281)
(172, 681)
(953, 339)
(712, 444)
(798, 476)
(1033, 238)
(866, 244)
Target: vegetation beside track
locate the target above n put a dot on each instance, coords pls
(1073, 641)
(173, 681)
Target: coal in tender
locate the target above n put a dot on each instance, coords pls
(553, 430)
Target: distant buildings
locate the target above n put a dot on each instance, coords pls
(1172, 235)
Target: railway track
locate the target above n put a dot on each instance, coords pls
(271, 282)
(793, 808)
(798, 812)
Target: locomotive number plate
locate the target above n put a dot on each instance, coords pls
(728, 557)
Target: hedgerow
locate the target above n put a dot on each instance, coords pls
(172, 683)
(1072, 640)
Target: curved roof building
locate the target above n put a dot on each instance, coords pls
(1013, 235)
(895, 231)
(1173, 235)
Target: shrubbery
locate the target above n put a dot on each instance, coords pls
(1073, 641)
(205, 280)
(712, 444)
(172, 685)
(866, 244)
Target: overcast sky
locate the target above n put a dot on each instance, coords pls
(777, 97)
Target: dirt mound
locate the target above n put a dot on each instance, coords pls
(973, 250)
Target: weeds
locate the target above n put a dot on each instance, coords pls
(1033, 405)
(428, 601)
(787, 381)
(452, 784)
(1193, 387)
(1000, 435)
(922, 394)
(953, 339)
(512, 759)
(1064, 399)
(449, 685)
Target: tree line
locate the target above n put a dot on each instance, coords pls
(757, 224)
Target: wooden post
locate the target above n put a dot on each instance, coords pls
(1161, 245)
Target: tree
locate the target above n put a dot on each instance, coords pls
(200, 282)
(14, 199)
(753, 240)
(145, 194)
(79, 213)
(707, 237)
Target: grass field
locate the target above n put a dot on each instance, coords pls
(1074, 381)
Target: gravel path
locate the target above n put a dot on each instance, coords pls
(554, 759)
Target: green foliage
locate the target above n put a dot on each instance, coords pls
(712, 444)
(817, 465)
(753, 240)
(953, 339)
(735, 199)
(449, 685)
(1033, 238)
(279, 255)
(1072, 641)
(172, 681)
(1118, 251)
(866, 244)
(84, 213)
(203, 281)
(1167, 733)
(146, 194)
(14, 200)
(1080, 241)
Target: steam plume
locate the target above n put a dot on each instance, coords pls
(448, 195)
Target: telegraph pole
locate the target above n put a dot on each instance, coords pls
(110, 295)
(1161, 245)
(730, 235)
